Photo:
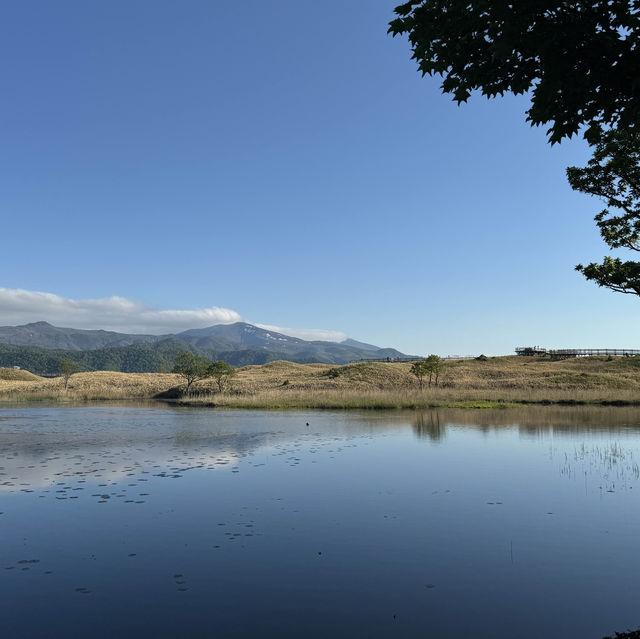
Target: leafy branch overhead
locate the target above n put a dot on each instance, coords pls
(578, 59)
(579, 62)
(613, 174)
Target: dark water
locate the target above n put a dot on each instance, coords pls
(131, 521)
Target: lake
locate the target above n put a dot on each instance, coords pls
(151, 520)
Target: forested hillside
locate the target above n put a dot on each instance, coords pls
(138, 358)
(39, 347)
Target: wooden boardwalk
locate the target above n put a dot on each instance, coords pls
(408, 359)
(568, 353)
(387, 359)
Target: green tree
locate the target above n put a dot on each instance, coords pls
(67, 368)
(420, 369)
(435, 365)
(221, 372)
(578, 59)
(431, 366)
(613, 174)
(192, 368)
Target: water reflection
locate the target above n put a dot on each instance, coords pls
(528, 420)
(40, 446)
(429, 425)
(109, 443)
(136, 521)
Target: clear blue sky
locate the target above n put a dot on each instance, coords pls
(286, 161)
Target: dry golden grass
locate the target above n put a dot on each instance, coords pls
(408, 398)
(500, 380)
(587, 373)
(88, 386)
(14, 374)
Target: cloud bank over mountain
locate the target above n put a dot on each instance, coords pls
(306, 333)
(19, 306)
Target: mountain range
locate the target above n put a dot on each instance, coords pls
(39, 346)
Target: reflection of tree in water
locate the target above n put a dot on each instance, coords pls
(429, 425)
(535, 421)
(529, 421)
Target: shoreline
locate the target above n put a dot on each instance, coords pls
(500, 382)
(353, 402)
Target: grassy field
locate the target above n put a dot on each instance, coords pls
(497, 381)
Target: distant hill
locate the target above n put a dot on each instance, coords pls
(241, 336)
(362, 345)
(45, 335)
(38, 347)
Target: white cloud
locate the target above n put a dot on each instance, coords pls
(307, 333)
(19, 306)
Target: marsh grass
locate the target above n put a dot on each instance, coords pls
(87, 386)
(494, 383)
(614, 466)
(408, 398)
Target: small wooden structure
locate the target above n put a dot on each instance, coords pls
(530, 351)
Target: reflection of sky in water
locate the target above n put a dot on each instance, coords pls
(133, 521)
(39, 447)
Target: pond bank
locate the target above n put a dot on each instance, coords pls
(494, 383)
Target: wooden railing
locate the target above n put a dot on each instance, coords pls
(566, 353)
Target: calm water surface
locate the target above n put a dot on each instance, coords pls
(132, 521)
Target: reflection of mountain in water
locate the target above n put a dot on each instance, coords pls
(42, 464)
(107, 444)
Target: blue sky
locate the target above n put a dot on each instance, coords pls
(287, 162)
